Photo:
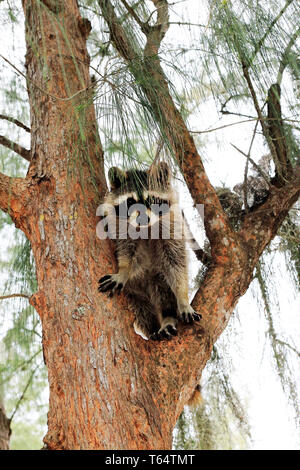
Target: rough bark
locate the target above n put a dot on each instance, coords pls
(5, 430)
(109, 388)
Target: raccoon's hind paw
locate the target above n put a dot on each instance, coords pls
(110, 282)
(188, 314)
(167, 331)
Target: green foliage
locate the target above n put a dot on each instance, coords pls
(23, 376)
(220, 422)
(289, 234)
(282, 350)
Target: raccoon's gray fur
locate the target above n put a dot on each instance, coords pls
(152, 272)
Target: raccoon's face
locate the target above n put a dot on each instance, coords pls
(141, 197)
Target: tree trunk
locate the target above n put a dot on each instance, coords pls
(109, 388)
(5, 430)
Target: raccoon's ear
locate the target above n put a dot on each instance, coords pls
(160, 174)
(116, 177)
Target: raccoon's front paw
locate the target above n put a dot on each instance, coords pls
(187, 314)
(111, 282)
(167, 330)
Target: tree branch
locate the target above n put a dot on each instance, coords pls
(156, 33)
(261, 225)
(132, 12)
(10, 296)
(12, 198)
(246, 168)
(257, 167)
(117, 33)
(24, 391)
(258, 110)
(15, 121)
(15, 147)
(173, 128)
(277, 134)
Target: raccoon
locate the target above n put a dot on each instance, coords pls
(152, 259)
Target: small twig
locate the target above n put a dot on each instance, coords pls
(22, 364)
(182, 23)
(24, 391)
(283, 343)
(238, 122)
(223, 127)
(257, 167)
(246, 169)
(54, 97)
(31, 331)
(258, 111)
(10, 296)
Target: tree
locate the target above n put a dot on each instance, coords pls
(4, 429)
(108, 387)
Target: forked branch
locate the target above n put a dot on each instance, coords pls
(156, 33)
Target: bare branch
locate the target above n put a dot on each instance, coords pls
(207, 131)
(257, 167)
(117, 33)
(24, 391)
(246, 168)
(11, 296)
(15, 121)
(258, 110)
(15, 147)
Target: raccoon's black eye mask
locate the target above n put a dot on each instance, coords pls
(157, 205)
